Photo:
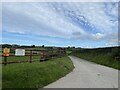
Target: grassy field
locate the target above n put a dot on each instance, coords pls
(20, 58)
(102, 57)
(36, 74)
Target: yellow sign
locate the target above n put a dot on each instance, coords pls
(6, 52)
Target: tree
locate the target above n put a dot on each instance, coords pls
(68, 47)
(43, 46)
(33, 46)
(6, 46)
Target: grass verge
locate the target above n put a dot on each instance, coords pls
(103, 59)
(36, 74)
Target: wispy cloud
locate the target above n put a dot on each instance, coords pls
(81, 21)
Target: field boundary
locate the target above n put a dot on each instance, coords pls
(43, 56)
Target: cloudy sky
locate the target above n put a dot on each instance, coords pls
(80, 24)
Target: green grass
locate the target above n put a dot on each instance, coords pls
(101, 58)
(68, 52)
(36, 74)
(20, 58)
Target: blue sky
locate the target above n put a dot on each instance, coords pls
(80, 24)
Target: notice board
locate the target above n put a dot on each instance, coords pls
(20, 52)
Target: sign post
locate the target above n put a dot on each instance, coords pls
(5, 60)
(6, 52)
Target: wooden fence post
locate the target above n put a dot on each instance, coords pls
(5, 60)
(30, 56)
(40, 54)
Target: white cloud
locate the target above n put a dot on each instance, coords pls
(46, 21)
(88, 47)
(85, 21)
(97, 36)
(59, 0)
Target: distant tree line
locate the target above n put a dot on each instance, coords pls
(16, 46)
(27, 46)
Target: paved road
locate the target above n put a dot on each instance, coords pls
(87, 75)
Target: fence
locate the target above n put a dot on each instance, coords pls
(31, 55)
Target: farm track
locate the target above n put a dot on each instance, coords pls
(87, 75)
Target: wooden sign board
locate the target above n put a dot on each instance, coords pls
(20, 52)
(6, 51)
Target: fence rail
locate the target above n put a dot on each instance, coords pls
(43, 55)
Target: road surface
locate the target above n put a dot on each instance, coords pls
(87, 75)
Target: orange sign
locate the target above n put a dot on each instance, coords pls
(6, 52)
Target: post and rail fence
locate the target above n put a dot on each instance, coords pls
(43, 55)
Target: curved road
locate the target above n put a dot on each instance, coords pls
(87, 75)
